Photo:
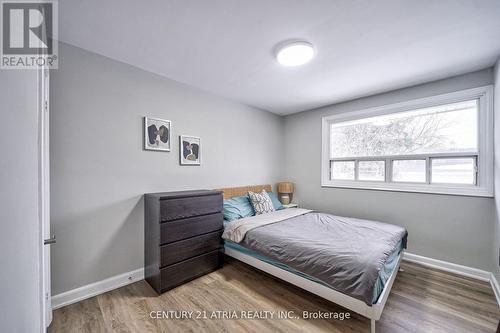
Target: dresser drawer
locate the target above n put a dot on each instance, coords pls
(176, 274)
(179, 208)
(192, 226)
(188, 248)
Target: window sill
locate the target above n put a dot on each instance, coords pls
(461, 190)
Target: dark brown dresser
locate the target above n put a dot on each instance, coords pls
(182, 237)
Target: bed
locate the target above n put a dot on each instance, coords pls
(348, 261)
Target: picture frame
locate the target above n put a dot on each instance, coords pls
(189, 150)
(157, 134)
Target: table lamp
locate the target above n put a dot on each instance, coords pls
(285, 192)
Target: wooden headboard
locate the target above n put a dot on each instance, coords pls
(243, 190)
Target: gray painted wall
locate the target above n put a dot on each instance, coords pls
(496, 243)
(99, 170)
(452, 228)
(19, 225)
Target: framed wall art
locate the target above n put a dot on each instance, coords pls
(190, 150)
(157, 134)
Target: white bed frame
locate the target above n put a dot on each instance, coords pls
(373, 312)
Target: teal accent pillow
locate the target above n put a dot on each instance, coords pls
(237, 208)
(274, 199)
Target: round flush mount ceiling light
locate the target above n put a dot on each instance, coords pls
(295, 53)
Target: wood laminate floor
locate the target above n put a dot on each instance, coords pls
(422, 300)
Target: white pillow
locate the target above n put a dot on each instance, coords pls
(261, 202)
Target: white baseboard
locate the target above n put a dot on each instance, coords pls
(457, 269)
(496, 287)
(96, 288)
(448, 267)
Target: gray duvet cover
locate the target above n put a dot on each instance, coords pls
(344, 253)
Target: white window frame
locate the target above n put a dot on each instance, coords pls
(484, 157)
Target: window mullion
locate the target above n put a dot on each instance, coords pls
(388, 170)
(476, 170)
(428, 171)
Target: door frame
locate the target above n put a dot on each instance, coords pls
(44, 197)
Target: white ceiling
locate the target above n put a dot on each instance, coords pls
(226, 46)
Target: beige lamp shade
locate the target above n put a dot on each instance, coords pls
(285, 192)
(285, 187)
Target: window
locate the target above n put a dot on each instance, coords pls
(371, 170)
(453, 170)
(343, 170)
(441, 144)
(409, 171)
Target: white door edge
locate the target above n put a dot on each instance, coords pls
(44, 196)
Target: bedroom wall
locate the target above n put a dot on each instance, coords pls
(496, 244)
(457, 229)
(99, 170)
(19, 222)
